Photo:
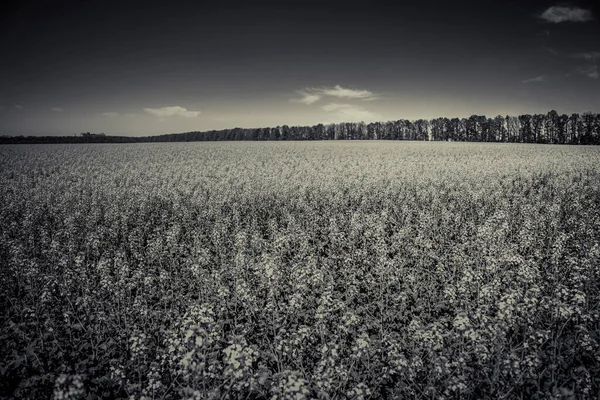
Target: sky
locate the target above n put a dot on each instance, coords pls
(155, 67)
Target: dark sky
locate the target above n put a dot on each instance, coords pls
(149, 67)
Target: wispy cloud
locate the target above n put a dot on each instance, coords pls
(18, 106)
(57, 109)
(307, 98)
(588, 56)
(340, 112)
(540, 78)
(336, 107)
(558, 14)
(172, 111)
(591, 71)
(110, 114)
(351, 112)
(312, 95)
(551, 50)
(344, 93)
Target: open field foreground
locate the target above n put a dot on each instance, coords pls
(300, 270)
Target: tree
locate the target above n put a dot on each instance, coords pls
(574, 128)
(561, 129)
(274, 133)
(596, 139)
(319, 132)
(361, 129)
(422, 129)
(551, 127)
(588, 120)
(471, 129)
(455, 129)
(537, 128)
(525, 133)
(498, 129)
(483, 128)
(437, 129)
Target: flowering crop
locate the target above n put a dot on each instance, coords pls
(300, 270)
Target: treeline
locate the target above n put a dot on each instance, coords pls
(537, 128)
(82, 138)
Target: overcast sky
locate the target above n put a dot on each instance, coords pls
(145, 68)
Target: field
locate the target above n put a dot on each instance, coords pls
(300, 270)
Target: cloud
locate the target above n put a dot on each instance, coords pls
(591, 71)
(588, 56)
(340, 92)
(350, 112)
(558, 14)
(540, 78)
(307, 98)
(18, 106)
(336, 107)
(172, 111)
(57, 109)
(591, 68)
(110, 114)
(551, 51)
(312, 95)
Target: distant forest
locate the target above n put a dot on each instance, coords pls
(538, 128)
